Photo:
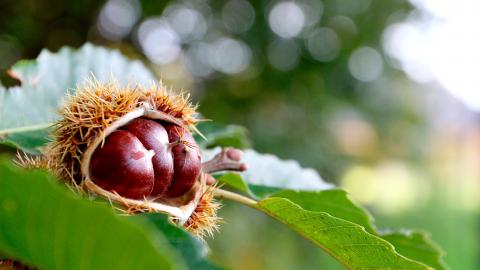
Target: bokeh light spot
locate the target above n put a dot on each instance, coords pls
(238, 16)
(117, 18)
(344, 26)
(286, 19)
(391, 187)
(313, 11)
(283, 54)
(197, 59)
(229, 56)
(365, 64)
(188, 23)
(159, 41)
(323, 44)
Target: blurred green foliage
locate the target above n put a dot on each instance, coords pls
(296, 108)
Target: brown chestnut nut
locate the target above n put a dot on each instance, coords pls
(154, 137)
(147, 159)
(187, 160)
(123, 165)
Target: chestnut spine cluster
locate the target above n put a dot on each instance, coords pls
(133, 146)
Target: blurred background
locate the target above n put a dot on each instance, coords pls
(381, 97)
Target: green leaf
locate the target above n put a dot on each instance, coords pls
(45, 225)
(413, 245)
(223, 135)
(417, 246)
(193, 250)
(348, 242)
(32, 106)
(235, 181)
(28, 141)
(334, 201)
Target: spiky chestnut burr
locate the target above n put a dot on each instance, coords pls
(134, 146)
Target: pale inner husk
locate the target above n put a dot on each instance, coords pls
(180, 208)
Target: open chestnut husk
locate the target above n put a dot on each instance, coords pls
(134, 146)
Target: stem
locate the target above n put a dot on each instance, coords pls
(235, 197)
(223, 161)
(25, 128)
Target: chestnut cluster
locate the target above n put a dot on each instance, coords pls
(146, 158)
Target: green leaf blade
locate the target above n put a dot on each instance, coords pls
(334, 201)
(418, 246)
(413, 245)
(349, 243)
(45, 225)
(192, 249)
(33, 105)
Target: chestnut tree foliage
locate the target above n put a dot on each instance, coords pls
(46, 225)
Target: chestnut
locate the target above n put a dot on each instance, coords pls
(145, 158)
(187, 160)
(123, 165)
(154, 137)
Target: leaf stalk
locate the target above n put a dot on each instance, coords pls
(221, 193)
